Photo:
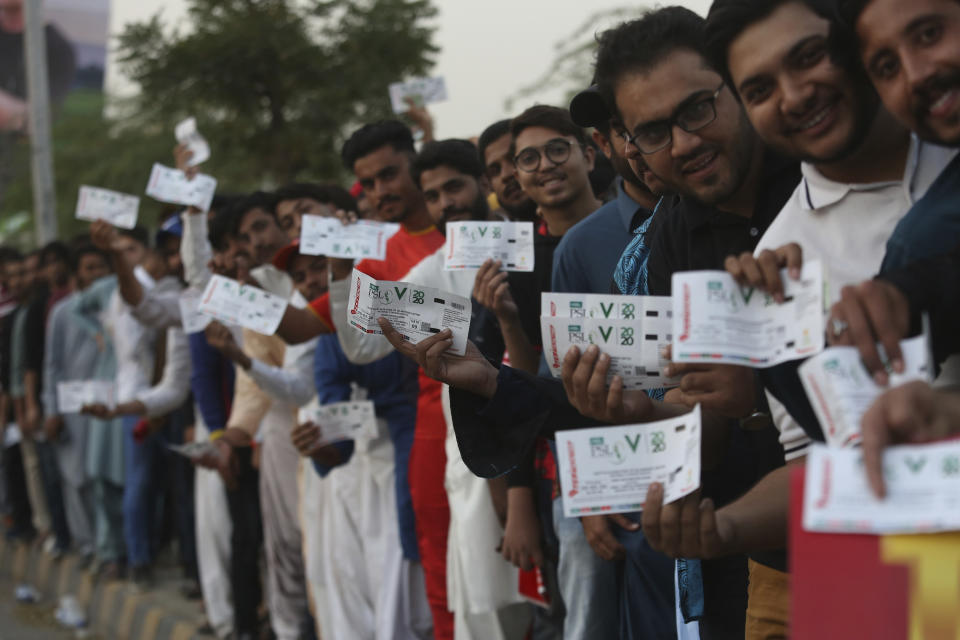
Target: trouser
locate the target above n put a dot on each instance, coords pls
(50, 474)
(31, 472)
(139, 494)
(179, 477)
(279, 498)
(78, 507)
(427, 465)
(214, 533)
(646, 584)
(768, 603)
(245, 540)
(108, 520)
(20, 511)
(588, 583)
(314, 501)
(506, 623)
(371, 591)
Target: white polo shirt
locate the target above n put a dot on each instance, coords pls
(846, 227)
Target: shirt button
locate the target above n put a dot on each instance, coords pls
(754, 232)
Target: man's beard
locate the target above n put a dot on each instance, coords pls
(526, 211)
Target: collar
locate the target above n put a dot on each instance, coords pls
(421, 232)
(817, 192)
(778, 173)
(627, 207)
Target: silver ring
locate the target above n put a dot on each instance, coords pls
(838, 326)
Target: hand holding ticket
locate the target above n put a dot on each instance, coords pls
(422, 91)
(715, 320)
(187, 135)
(632, 330)
(233, 303)
(119, 209)
(75, 394)
(340, 420)
(171, 185)
(415, 312)
(472, 242)
(923, 490)
(320, 236)
(840, 388)
(609, 469)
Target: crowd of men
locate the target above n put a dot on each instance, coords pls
(771, 133)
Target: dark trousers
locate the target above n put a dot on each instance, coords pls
(180, 483)
(20, 512)
(244, 503)
(50, 474)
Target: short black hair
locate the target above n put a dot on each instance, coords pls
(373, 136)
(220, 227)
(138, 233)
(848, 12)
(490, 135)
(256, 200)
(9, 254)
(638, 45)
(330, 194)
(55, 251)
(83, 248)
(542, 115)
(454, 153)
(222, 200)
(727, 19)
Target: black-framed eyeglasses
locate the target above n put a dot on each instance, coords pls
(690, 117)
(556, 150)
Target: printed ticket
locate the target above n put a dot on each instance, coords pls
(243, 305)
(74, 394)
(119, 209)
(923, 490)
(470, 243)
(193, 450)
(320, 236)
(414, 311)
(716, 320)
(187, 135)
(193, 320)
(171, 185)
(609, 469)
(632, 330)
(424, 91)
(341, 420)
(840, 388)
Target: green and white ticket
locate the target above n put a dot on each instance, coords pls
(341, 420)
(471, 242)
(609, 469)
(415, 312)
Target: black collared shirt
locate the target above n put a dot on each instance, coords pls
(689, 235)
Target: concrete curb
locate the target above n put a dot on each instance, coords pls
(114, 610)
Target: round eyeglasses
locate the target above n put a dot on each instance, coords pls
(692, 116)
(556, 150)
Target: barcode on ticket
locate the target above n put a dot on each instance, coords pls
(457, 306)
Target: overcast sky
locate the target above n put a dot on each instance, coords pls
(488, 50)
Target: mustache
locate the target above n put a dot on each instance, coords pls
(933, 87)
(388, 199)
(700, 151)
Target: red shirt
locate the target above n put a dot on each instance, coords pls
(404, 250)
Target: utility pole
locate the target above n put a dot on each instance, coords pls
(38, 108)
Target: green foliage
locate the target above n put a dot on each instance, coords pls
(273, 83)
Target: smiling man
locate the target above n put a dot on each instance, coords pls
(495, 145)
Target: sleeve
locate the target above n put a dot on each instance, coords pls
(496, 435)
(174, 386)
(360, 348)
(321, 308)
(34, 335)
(332, 381)
(52, 359)
(568, 274)
(292, 384)
(250, 402)
(195, 250)
(211, 380)
(792, 436)
(159, 309)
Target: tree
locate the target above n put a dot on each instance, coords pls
(275, 84)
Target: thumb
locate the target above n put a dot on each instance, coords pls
(624, 522)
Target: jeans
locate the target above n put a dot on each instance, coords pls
(50, 473)
(588, 583)
(139, 494)
(20, 512)
(245, 541)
